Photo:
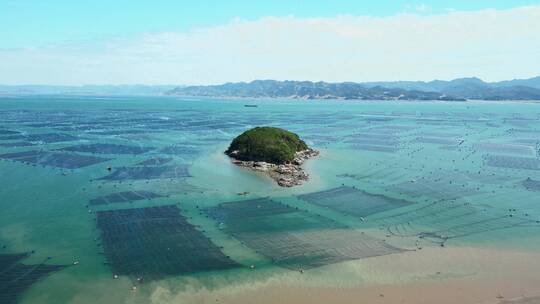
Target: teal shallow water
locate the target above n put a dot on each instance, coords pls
(470, 172)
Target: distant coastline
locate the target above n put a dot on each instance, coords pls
(463, 89)
(456, 90)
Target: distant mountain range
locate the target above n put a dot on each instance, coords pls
(473, 88)
(458, 89)
(454, 90)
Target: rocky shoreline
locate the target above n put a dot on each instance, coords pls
(286, 175)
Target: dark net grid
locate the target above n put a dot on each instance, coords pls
(108, 149)
(352, 201)
(54, 159)
(443, 220)
(126, 196)
(16, 278)
(292, 238)
(137, 173)
(155, 242)
(155, 161)
(531, 184)
(512, 162)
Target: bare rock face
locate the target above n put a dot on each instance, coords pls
(277, 152)
(286, 175)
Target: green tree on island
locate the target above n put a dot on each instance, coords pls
(268, 144)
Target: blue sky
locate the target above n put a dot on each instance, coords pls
(36, 22)
(201, 42)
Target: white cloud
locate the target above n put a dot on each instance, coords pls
(491, 44)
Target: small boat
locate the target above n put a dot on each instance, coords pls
(250, 105)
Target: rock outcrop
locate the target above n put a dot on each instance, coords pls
(277, 152)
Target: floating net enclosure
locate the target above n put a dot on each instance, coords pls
(512, 162)
(108, 149)
(394, 129)
(54, 159)
(372, 141)
(155, 161)
(138, 173)
(374, 136)
(352, 201)
(440, 134)
(16, 144)
(121, 197)
(120, 132)
(436, 140)
(13, 137)
(155, 242)
(16, 278)
(8, 132)
(434, 188)
(374, 148)
(51, 137)
(443, 220)
(179, 150)
(522, 150)
(531, 184)
(292, 238)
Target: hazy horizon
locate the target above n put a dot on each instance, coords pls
(284, 151)
(248, 81)
(63, 43)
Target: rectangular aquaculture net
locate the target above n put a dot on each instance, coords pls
(512, 162)
(54, 159)
(352, 201)
(522, 150)
(293, 238)
(371, 141)
(374, 142)
(435, 188)
(127, 196)
(436, 140)
(374, 148)
(394, 129)
(155, 161)
(443, 220)
(16, 144)
(138, 173)
(154, 242)
(16, 278)
(51, 137)
(179, 150)
(8, 132)
(531, 184)
(12, 137)
(108, 149)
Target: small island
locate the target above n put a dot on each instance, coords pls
(276, 151)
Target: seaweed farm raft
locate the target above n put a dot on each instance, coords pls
(150, 243)
(128, 199)
(292, 238)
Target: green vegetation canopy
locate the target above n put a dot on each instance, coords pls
(268, 144)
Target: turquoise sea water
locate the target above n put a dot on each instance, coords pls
(391, 177)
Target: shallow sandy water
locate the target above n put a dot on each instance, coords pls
(45, 209)
(436, 275)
